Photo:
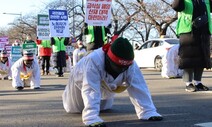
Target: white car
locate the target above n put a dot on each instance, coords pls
(149, 54)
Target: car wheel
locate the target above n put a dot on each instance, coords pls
(158, 64)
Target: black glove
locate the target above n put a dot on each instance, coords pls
(85, 24)
(155, 118)
(97, 124)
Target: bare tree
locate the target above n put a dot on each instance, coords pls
(135, 19)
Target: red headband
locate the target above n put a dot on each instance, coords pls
(118, 60)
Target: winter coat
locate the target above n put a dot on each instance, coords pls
(194, 50)
(45, 47)
(96, 35)
(59, 51)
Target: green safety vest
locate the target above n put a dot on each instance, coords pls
(90, 36)
(184, 24)
(59, 45)
(46, 44)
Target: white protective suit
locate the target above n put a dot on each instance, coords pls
(91, 89)
(170, 62)
(5, 69)
(78, 54)
(20, 72)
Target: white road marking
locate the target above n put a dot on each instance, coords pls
(204, 91)
(209, 124)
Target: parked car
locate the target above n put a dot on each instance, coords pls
(149, 54)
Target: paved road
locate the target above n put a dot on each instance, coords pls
(43, 108)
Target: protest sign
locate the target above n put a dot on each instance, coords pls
(3, 41)
(43, 27)
(15, 53)
(98, 12)
(8, 47)
(58, 22)
(32, 47)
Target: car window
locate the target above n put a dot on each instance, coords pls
(155, 44)
(161, 43)
(172, 41)
(146, 45)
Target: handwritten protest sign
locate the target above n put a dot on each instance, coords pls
(43, 27)
(98, 12)
(58, 22)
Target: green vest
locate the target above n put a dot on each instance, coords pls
(59, 45)
(184, 24)
(45, 44)
(90, 36)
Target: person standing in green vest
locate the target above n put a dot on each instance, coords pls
(45, 52)
(194, 28)
(96, 36)
(59, 53)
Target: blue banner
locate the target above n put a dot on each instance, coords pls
(58, 15)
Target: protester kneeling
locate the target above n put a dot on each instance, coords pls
(5, 65)
(26, 72)
(97, 77)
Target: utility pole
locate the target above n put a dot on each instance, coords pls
(73, 19)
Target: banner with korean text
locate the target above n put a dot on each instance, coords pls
(15, 53)
(98, 12)
(3, 41)
(58, 22)
(43, 27)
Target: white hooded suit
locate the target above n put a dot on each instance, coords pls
(91, 89)
(5, 69)
(20, 71)
(170, 62)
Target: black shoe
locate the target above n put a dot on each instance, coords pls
(98, 124)
(36, 88)
(47, 73)
(60, 75)
(201, 87)
(6, 78)
(19, 87)
(155, 118)
(190, 88)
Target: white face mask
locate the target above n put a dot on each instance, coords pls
(80, 46)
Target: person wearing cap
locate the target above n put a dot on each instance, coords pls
(26, 72)
(5, 65)
(96, 78)
(79, 52)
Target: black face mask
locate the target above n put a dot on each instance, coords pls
(28, 63)
(4, 59)
(112, 68)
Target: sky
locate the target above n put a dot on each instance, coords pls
(18, 7)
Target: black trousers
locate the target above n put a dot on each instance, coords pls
(45, 63)
(192, 74)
